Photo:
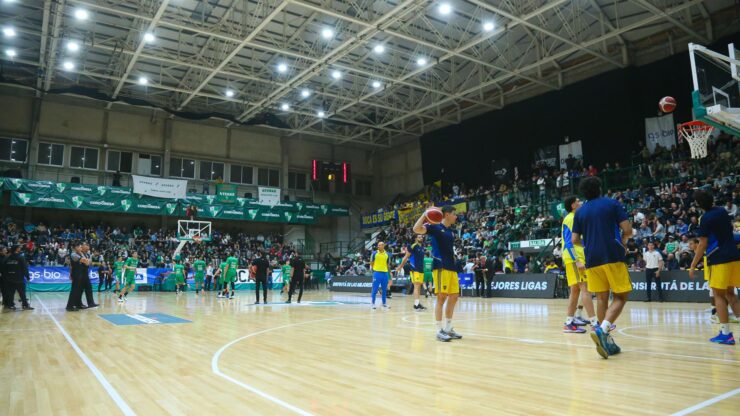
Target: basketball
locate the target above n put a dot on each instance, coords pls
(667, 104)
(434, 215)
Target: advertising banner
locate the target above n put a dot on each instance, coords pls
(574, 149)
(359, 284)
(268, 196)
(676, 285)
(379, 219)
(160, 187)
(108, 203)
(660, 131)
(225, 193)
(524, 285)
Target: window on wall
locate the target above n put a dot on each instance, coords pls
(51, 154)
(363, 188)
(210, 171)
(297, 181)
(268, 177)
(83, 157)
(182, 168)
(119, 161)
(149, 165)
(242, 174)
(13, 150)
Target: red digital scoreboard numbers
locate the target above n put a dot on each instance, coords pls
(331, 171)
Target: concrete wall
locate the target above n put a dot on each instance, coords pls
(397, 171)
(74, 121)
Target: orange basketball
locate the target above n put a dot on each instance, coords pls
(434, 215)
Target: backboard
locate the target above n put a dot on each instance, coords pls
(716, 83)
(187, 230)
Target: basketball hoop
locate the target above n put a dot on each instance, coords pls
(697, 134)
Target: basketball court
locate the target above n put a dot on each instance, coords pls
(332, 355)
(315, 111)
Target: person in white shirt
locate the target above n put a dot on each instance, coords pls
(653, 266)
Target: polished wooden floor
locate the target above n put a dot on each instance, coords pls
(333, 355)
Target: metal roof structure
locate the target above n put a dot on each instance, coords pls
(379, 71)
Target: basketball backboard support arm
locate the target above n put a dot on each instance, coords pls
(716, 87)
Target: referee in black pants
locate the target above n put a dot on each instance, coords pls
(79, 265)
(15, 272)
(297, 276)
(261, 265)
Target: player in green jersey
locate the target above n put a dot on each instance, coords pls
(428, 275)
(129, 276)
(286, 275)
(179, 271)
(230, 275)
(118, 273)
(200, 273)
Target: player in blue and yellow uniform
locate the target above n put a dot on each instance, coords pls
(415, 254)
(380, 265)
(600, 220)
(574, 261)
(446, 283)
(716, 239)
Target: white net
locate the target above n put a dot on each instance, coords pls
(697, 135)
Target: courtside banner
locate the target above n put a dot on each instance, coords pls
(676, 285)
(159, 187)
(359, 284)
(524, 285)
(379, 219)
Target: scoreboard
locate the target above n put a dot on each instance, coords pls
(338, 172)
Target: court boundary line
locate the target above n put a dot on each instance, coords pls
(706, 403)
(622, 331)
(112, 392)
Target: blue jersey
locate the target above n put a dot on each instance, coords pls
(716, 226)
(417, 257)
(443, 241)
(597, 221)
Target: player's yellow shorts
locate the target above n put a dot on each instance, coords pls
(417, 277)
(446, 282)
(721, 276)
(574, 275)
(612, 276)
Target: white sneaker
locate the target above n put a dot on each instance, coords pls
(220, 295)
(714, 319)
(386, 307)
(374, 307)
(120, 300)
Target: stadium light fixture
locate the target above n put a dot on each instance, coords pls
(379, 49)
(327, 33)
(229, 93)
(68, 65)
(336, 74)
(445, 9)
(143, 80)
(377, 84)
(11, 53)
(305, 93)
(9, 32)
(285, 107)
(488, 26)
(149, 37)
(321, 114)
(73, 46)
(282, 68)
(421, 61)
(81, 14)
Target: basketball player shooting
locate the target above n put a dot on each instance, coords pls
(446, 283)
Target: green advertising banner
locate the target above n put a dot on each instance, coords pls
(47, 194)
(225, 193)
(110, 203)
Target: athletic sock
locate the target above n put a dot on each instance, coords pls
(579, 312)
(439, 325)
(568, 320)
(448, 325)
(725, 328)
(416, 302)
(594, 321)
(605, 326)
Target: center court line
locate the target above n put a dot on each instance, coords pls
(706, 403)
(217, 371)
(112, 392)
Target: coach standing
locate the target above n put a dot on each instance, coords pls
(261, 266)
(15, 272)
(297, 276)
(86, 284)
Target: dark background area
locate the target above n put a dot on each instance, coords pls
(605, 112)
